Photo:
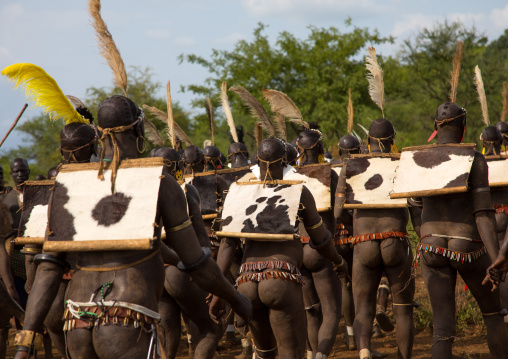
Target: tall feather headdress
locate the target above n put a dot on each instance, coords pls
(171, 120)
(163, 117)
(227, 110)
(505, 102)
(107, 46)
(350, 113)
(375, 78)
(258, 133)
(256, 109)
(281, 104)
(481, 94)
(152, 134)
(209, 113)
(43, 91)
(454, 78)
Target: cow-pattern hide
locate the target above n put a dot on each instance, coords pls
(84, 209)
(369, 181)
(433, 169)
(498, 171)
(34, 217)
(250, 208)
(317, 178)
(207, 188)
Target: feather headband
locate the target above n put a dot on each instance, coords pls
(256, 109)
(505, 102)
(375, 78)
(209, 113)
(282, 105)
(43, 91)
(454, 78)
(227, 110)
(107, 46)
(481, 94)
(350, 113)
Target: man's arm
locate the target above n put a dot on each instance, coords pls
(341, 215)
(5, 270)
(484, 214)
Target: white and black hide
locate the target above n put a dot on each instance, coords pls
(83, 209)
(369, 181)
(498, 170)
(433, 170)
(317, 178)
(262, 208)
(34, 215)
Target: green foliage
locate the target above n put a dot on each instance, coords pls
(315, 73)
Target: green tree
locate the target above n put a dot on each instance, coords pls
(315, 73)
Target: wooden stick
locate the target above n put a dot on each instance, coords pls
(374, 206)
(98, 245)
(209, 216)
(29, 240)
(264, 237)
(324, 209)
(14, 124)
(430, 192)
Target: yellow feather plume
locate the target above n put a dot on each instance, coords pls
(43, 91)
(505, 102)
(481, 94)
(375, 77)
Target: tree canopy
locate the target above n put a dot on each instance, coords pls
(316, 73)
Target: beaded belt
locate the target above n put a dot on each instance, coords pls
(501, 208)
(77, 316)
(453, 255)
(376, 236)
(214, 240)
(283, 270)
(340, 231)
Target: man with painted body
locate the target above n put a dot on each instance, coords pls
(135, 277)
(321, 288)
(182, 295)
(492, 140)
(279, 318)
(385, 249)
(459, 223)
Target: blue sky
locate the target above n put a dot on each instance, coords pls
(56, 34)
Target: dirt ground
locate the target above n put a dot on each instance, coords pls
(472, 343)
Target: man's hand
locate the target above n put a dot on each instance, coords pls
(496, 273)
(217, 309)
(343, 273)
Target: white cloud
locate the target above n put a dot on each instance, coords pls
(5, 54)
(158, 34)
(412, 22)
(230, 39)
(499, 17)
(184, 41)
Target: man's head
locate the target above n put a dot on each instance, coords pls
(382, 134)
(271, 158)
(238, 150)
(19, 170)
(492, 140)
(52, 172)
(193, 159)
(77, 143)
(117, 111)
(348, 145)
(503, 128)
(212, 157)
(310, 145)
(450, 118)
(172, 160)
(291, 154)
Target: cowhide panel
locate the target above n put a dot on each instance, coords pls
(83, 208)
(433, 170)
(34, 216)
(369, 182)
(317, 178)
(207, 188)
(498, 171)
(250, 208)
